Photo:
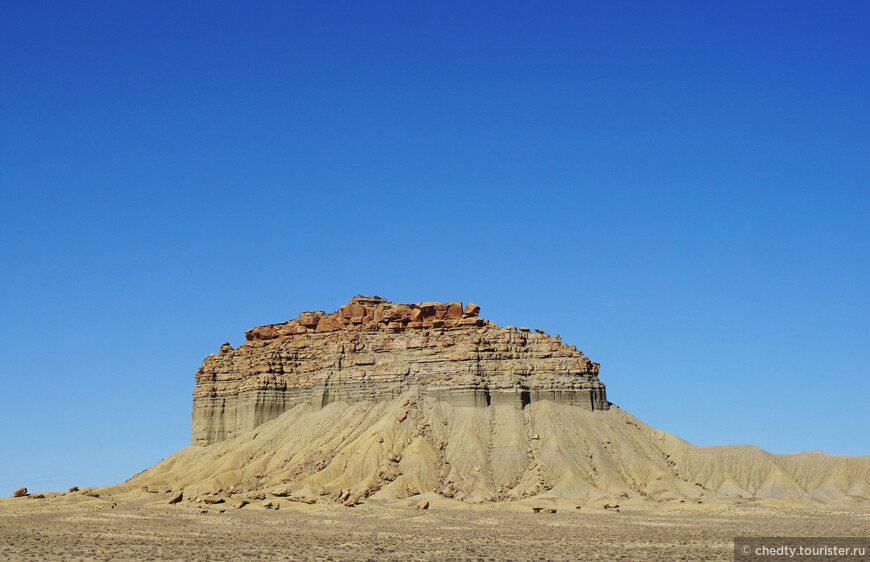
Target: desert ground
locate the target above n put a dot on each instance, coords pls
(80, 527)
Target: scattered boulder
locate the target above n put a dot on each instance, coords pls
(19, 493)
(401, 416)
(36, 496)
(176, 497)
(412, 491)
(212, 500)
(240, 504)
(74, 489)
(352, 500)
(423, 504)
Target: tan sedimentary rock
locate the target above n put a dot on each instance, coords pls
(20, 492)
(371, 349)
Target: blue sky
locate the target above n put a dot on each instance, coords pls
(680, 189)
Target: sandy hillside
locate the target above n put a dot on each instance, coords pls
(563, 454)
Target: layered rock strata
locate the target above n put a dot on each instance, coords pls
(372, 349)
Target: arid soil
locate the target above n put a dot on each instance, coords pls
(84, 528)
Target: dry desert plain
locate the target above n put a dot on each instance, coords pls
(75, 526)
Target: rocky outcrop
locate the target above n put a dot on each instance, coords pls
(372, 349)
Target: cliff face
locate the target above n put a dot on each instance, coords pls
(371, 349)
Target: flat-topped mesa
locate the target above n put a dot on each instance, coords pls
(372, 349)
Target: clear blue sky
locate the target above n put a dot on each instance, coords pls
(678, 188)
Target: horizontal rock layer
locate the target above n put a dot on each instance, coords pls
(371, 349)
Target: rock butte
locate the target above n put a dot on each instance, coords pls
(372, 349)
(427, 404)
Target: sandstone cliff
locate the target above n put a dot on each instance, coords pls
(374, 350)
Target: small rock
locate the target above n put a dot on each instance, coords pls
(74, 489)
(352, 500)
(380, 439)
(412, 491)
(423, 504)
(310, 500)
(240, 504)
(536, 436)
(393, 457)
(401, 416)
(212, 500)
(19, 493)
(203, 511)
(176, 497)
(37, 496)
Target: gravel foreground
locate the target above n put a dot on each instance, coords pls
(95, 529)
